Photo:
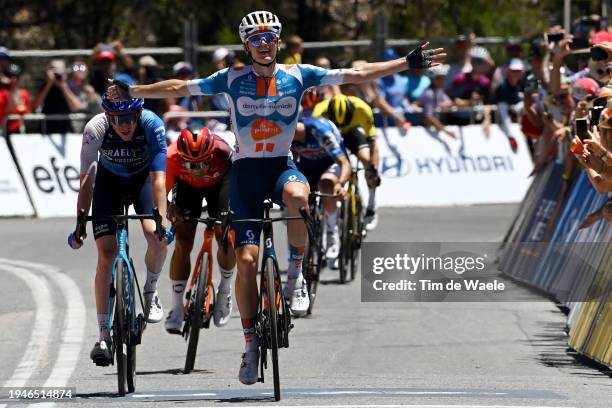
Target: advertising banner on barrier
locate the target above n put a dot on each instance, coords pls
(13, 195)
(432, 169)
(50, 166)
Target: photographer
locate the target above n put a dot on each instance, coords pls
(56, 97)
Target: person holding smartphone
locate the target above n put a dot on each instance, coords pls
(56, 97)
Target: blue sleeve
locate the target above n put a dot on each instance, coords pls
(329, 138)
(317, 76)
(214, 84)
(156, 140)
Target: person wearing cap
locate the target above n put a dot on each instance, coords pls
(295, 49)
(434, 97)
(13, 99)
(471, 88)
(184, 71)
(513, 52)
(103, 63)
(461, 58)
(148, 74)
(508, 94)
(56, 97)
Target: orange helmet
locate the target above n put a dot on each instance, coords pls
(311, 98)
(195, 147)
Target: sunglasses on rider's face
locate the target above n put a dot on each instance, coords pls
(256, 39)
(196, 165)
(124, 119)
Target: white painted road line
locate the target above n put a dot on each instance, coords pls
(414, 406)
(36, 351)
(74, 324)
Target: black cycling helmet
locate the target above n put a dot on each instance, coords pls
(340, 110)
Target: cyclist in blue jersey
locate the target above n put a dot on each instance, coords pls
(322, 159)
(264, 101)
(131, 144)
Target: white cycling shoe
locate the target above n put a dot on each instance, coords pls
(223, 308)
(297, 293)
(370, 220)
(154, 311)
(249, 367)
(174, 321)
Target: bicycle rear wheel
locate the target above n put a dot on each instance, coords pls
(269, 272)
(120, 329)
(313, 267)
(196, 314)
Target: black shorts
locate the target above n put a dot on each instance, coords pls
(187, 197)
(355, 139)
(314, 169)
(112, 191)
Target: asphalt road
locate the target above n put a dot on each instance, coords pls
(347, 353)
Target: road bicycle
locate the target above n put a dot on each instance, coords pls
(273, 322)
(126, 325)
(200, 295)
(351, 227)
(315, 251)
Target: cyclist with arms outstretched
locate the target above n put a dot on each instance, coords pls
(198, 167)
(131, 143)
(264, 101)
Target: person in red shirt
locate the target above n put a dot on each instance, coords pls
(197, 167)
(13, 100)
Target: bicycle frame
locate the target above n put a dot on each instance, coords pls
(209, 235)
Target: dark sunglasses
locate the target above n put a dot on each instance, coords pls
(124, 118)
(196, 165)
(256, 39)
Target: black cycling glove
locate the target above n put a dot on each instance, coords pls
(123, 89)
(419, 58)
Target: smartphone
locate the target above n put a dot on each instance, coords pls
(600, 101)
(579, 43)
(554, 37)
(582, 127)
(595, 113)
(59, 77)
(597, 54)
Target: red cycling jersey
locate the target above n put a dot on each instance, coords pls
(219, 166)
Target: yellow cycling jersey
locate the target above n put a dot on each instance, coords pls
(362, 116)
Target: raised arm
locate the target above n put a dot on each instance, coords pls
(420, 58)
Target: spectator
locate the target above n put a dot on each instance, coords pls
(148, 74)
(5, 61)
(295, 49)
(79, 85)
(56, 97)
(13, 99)
(471, 88)
(223, 58)
(509, 91)
(461, 55)
(103, 61)
(328, 91)
(174, 125)
(193, 103)
(513, 52)
(434, 97)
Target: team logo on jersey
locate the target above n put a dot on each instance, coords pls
(263, 129)
(286, 106)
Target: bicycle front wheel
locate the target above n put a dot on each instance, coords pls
(120, 328)
(356, 235)
(272, 293)
(197, 312)
(131, 346)
(344, 259)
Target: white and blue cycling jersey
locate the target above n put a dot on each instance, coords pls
(264, 110)
(146, 150)
(323, 141)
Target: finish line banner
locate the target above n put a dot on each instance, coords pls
(13, 195)
(425, 168)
